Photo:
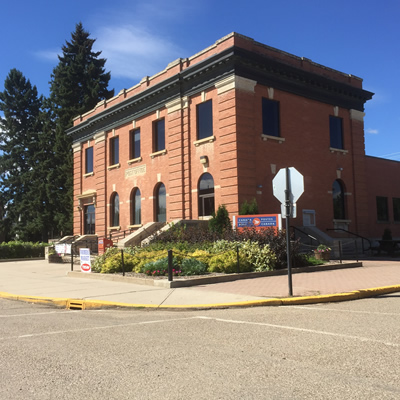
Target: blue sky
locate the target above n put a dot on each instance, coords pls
(140, 38)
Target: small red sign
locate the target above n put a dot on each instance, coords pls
(85, 267)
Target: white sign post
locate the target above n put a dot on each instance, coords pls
(288, 186)
(86, 266)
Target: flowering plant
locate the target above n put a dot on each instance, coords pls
(322, 248)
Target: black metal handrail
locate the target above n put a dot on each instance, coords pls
(117, 235)
(354, 234)
(304, 233)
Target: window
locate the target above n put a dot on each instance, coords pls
(270, 117)
(206, 195)
(159, 135)
(136, 207)
(89, 160)
(338, 200)
(204, 120)
(382, 208)
(161, 203)
(336, 132)
(114, 150)
(89, 222)
(114, 210)
(396, 209)
(134, 151)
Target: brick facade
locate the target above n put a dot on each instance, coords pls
(235, 74)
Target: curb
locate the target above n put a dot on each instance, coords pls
(81, 304)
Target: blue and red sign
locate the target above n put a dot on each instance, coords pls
(261, 221)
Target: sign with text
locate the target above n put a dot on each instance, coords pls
(261, 221)
(86, 266)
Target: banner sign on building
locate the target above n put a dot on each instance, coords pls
(261, 221)
(86, 266)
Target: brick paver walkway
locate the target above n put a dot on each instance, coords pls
(372, 274)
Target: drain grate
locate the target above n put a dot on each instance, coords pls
(75, 305)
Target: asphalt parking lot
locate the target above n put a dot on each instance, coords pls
(336, 350)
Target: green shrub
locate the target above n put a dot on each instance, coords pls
(99, 261)
(192, 266)
(17, 249)
(220, 221)
(262, 258)
(201, 255)
(249, 208)
(160, 267)
(227, 263)
(113, 263)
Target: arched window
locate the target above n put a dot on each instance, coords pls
(161, 203)
(338, 200)
(206, 195)
(114, 209)
(136, 207)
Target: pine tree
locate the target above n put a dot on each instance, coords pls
(18, 145)
(78, 83)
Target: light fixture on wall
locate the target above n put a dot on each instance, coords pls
(339, 172)
(204, 160)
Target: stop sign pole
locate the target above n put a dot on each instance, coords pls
(288, 186)
(288, 206)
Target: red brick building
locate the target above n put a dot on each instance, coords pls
(215, 128)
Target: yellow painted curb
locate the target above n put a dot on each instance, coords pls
(93, 304)
(55, 301)
(326, 298)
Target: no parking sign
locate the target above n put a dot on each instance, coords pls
(86, 266)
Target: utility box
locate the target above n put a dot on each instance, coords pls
(104, 244)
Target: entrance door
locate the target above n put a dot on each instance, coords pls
(89, 222)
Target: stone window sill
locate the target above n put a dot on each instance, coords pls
(334, 150)
(134, 160)
(209, 139)
(114, 228)
(115, 166)
(135, 226)
(88, 174)
(158, 153)
(273, 138)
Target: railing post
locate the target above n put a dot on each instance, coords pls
(355, 242)
(237, 260)
(122, 261)
(72, 257)
(170, 276)
(340, 251)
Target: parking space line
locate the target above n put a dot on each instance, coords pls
(292, 328)
(34, 314)
(93, 328)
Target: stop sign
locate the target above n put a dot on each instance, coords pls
(295, 185)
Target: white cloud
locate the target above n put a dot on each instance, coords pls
(47, 55)
(134, 52)
(372, 131)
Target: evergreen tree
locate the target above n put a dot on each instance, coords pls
(18, 145)
(78, 83)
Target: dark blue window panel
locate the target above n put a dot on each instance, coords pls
(89, 160)
(270, 117)
(159, 135)
(204, 120)
(336, 132)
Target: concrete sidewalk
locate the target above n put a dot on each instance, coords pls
(43, 282)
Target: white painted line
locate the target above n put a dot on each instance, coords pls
(359, 338)
(94, 328)
(34, 314)
(322, 308)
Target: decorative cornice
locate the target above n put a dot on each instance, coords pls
(245, 66)
(235, 82)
